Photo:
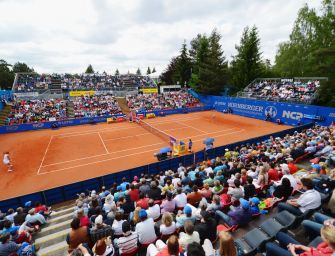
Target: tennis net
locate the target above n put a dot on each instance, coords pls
(163, 135)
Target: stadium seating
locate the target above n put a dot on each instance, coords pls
(118, 199)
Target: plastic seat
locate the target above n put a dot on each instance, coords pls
(285, 218)
(256, 239)
(306, 215)
(271, 227)
(244, 247)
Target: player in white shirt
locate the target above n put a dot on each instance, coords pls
(7, 161)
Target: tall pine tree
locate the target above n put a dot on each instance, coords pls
(183, 72)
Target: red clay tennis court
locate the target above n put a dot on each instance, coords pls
(50, 158)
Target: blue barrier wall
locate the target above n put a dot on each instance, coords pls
(288, 113)
(48, 125)
(68, 192)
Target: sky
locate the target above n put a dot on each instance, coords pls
(66, 35)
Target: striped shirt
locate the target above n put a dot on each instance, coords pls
(128, 243)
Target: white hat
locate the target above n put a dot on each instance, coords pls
(98, 220)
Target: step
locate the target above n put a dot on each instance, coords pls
(51, 239)
(59, 219)
(58, 249)
(53, 229)
(66, 206)
(61, 212)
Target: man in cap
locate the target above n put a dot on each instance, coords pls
(100, 230)
(182, 217)
(239, 216)
(145, 229)
(35, 218)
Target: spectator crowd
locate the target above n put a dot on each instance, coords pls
(163, 101)
(35, 82)
(193, 209)
(95, 105)
(296, 91)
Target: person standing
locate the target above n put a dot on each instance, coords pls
(190, 144)
(7, 161)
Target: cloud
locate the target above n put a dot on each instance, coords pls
(66, 36)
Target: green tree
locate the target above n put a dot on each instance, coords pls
(117, 73)
(22, 67)
(6, 75)
(154, 70)
(89, 70)
(148, 71)
(183, 72)
(247, 63)
(138, 72)
(169, 74)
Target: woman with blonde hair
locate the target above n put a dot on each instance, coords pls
(226, 246)
(134, 217)
(168, 226)
(290, 247)
(262, 177)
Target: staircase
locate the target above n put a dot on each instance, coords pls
(123, 105)
(69, 109)
(52, 237)
(3, 114)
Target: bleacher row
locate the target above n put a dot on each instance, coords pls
(186, 206)
(35, 82)
(41, 110)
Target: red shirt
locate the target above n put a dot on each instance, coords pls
(293, 168)
(84, 221)
(143, 203)
(134, 195)
(273, 175)
(321, 250)
(41, 208)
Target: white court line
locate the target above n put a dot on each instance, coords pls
(45, 153)
(101, 161)
(176, 119)
(64, 135)
(103, 143)
(126, 137)
(191, 127)
(105, 160)
(115, 152)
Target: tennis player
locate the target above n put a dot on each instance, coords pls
(190, 144)
(7, 161)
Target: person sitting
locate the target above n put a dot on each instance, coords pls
(168, 204)
(309, 200)
(194, 197)
(77, 235)
(289, 246)
(206, 191)
(168, 226)
(254, 208)
(154, 211)
(143, 202)
(189, 236)
(236, 192)
(313, 227)
(35, 218)
(218, 188)
(284, 190)
(239, 216)
(128, 242)
(181, 218)
(195, 249)
(154, 192)
(226, 246)
(134, 193)
(215, 205)
(145, 229)
(206, 228)
(172, 248)
(84, 220)
(249, 188)
(117, 224)
(8, 247)
(180, 198)
(100, 230)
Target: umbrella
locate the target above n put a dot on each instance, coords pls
(208, 141)
(165, 150)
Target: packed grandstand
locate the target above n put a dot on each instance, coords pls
(197, 209)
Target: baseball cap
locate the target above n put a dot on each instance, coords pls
(142, 214)
(27, 204)
(244, 203)
(255, 200)
(316, 166)
(98, 220)
(187, 209)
